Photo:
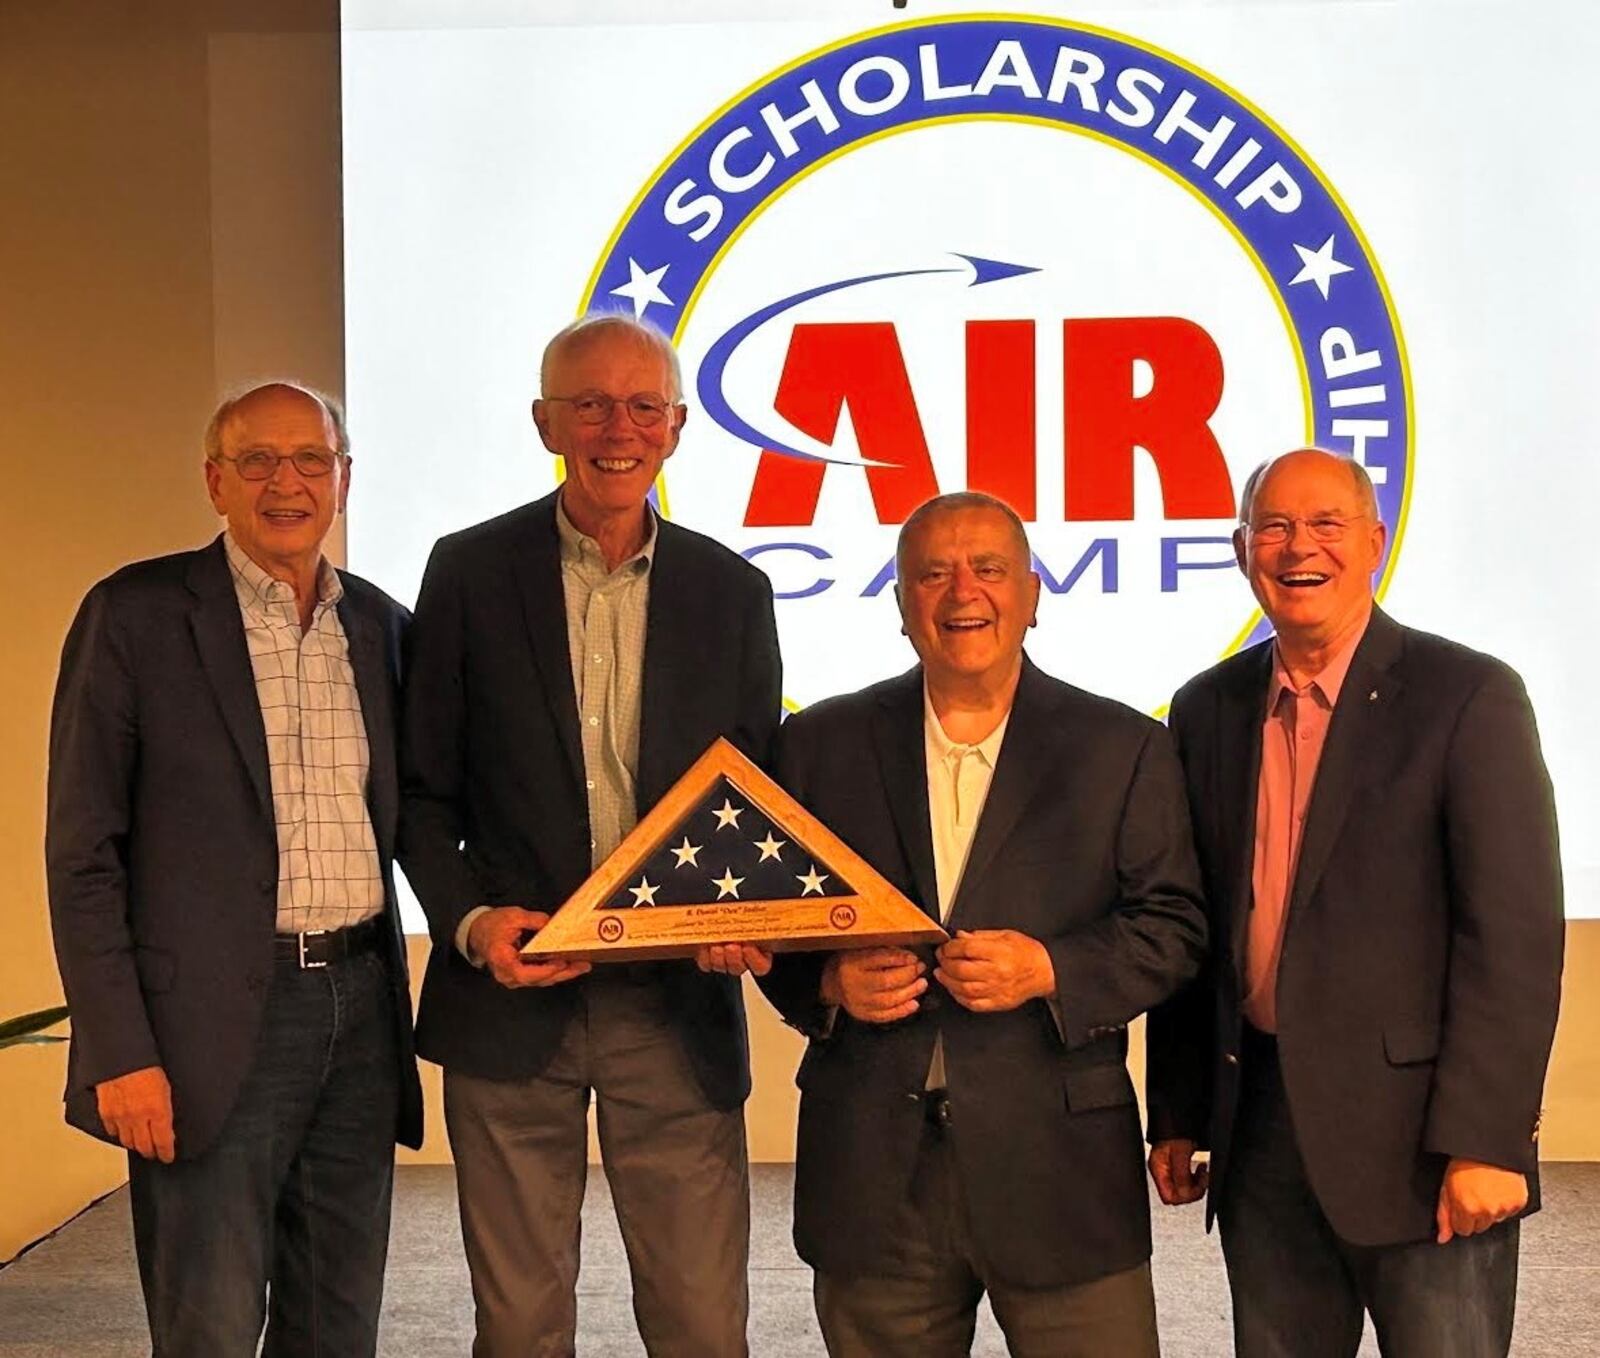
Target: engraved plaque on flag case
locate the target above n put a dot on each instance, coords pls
(727, 856)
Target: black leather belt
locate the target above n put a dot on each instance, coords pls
(318, 947)
(936, 1107)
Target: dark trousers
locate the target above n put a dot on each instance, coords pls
(928, 1306)
(295, 1192)
(1299, 1290)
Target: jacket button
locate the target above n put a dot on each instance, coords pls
(1230, 1058)
(267, 884)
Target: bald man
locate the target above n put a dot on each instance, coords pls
(1378, 839)
(222, 813)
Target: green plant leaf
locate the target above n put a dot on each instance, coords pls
(25, 1025)
(28, 1040)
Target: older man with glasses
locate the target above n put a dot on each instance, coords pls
(571, 659)
(1365, 1058)
(222, 814)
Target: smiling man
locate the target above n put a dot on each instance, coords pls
(1365, 1057)
(571, 659)
(222, 813)
(966, 1121)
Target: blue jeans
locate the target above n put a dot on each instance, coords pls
(294, 1193)
(1299, 1290)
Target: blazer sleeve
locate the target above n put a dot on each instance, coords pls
(94, 750)
(1112, 970)
(1179, 1034)
(761, 686)
(1506, 932)
(433, 743)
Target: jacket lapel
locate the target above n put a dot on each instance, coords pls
(1033, 746)
(1359, 717)
(225, 656)
(898, 735)
(1241, 711)
(374, 688)
(537, 568)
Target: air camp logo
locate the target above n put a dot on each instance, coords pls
(1018, 255)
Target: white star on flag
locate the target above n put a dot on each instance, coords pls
(644, 893)
(642, 287)
(727, 884)
(769, 847)
(727, 815)
(1319, 266)
(686, 853)
(811, 881)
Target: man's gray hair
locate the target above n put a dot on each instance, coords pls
(599, 323)
(952, 503)
(1358, 474)
(212, 440)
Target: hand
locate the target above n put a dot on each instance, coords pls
(136, 1109)
(874, 985)
(497, 936)
(1474, 1196)
(993, 970)
(734, 959)
(1176, 1176)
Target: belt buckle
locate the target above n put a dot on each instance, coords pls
(300, 940)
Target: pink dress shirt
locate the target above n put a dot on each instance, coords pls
(1292, 738)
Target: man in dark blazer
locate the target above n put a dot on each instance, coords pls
(980, 1133)
(222, 813)
(1365, 1057)
(571, 659)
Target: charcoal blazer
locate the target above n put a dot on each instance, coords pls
(494, 808)
(1421, 963)
(1084, 844)
(160, 844)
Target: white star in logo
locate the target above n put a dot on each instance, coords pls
(811, 881)
(727, 884)
(1318, 266)
(644, 893)
(686, 853)
(727, 815)
(769, 847)
(642, 287)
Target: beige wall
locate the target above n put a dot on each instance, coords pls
(160, 240)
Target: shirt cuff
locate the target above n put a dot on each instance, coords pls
(464, 929)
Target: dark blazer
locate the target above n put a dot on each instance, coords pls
(1421, 963)
(161, 847)
(1083, 844)
(494, 810)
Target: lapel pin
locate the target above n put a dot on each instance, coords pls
(1373, 696)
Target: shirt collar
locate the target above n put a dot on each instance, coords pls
(259, 591)
(1327, 681)
(942, 747)
(578, 546)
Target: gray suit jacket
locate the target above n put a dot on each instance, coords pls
(160, 843)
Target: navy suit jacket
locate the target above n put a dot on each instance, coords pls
(1084, 844)
(161, 848)
(494, 810)
(1421, 963)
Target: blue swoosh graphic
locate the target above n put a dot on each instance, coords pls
(709, 385)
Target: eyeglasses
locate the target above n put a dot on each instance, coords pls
(261, 465)
(645, 408)
(1323, 528)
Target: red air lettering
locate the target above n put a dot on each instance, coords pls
(1000, 413)
(827, 367)
(1105, 421)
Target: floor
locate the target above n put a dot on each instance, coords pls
(76, 1293)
